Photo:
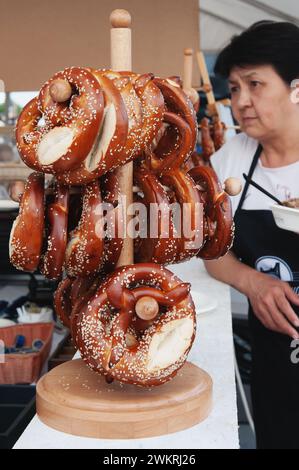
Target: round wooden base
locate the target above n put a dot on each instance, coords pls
(75, 400)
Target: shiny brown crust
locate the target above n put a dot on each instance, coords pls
(113, 242)
(162, 249)
(174, 147)
(85, 247)
(219, 225)
(80, 118)
(62, 301)
(103, 324)
(29, 134)
(177, 101)
(191, 205)
(57, 214)
(124, 83)
(152, 104)
(72, 293)
(145, 107)
(82, 290)
(103, 157)
(218, 133)
(27, 232)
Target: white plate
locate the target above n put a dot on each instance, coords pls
(6, 322)
(8, 205)
(286, 218)
(203, 302)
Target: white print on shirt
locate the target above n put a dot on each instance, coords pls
(277, 268)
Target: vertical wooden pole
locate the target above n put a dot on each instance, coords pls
(212, 105)
(121, 59)
(188, 65)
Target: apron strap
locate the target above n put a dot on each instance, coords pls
(250, 173)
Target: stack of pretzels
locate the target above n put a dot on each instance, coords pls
(135, 324)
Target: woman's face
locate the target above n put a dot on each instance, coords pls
(261, 101)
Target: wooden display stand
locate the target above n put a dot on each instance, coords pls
(73, 399)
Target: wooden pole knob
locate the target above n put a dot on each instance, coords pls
(188, 51)
(120, 19)
(60, 90)
(232, 186)
(147, 308)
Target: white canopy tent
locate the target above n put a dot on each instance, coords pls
(221, 19)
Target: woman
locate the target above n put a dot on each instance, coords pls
(261, 64)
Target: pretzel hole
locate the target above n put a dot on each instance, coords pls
(169, 344)
(55, 144)
(105, 135)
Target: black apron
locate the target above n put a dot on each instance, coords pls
(259, 243)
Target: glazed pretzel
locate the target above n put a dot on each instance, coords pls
(218, 133)
(177, 101)
(83, 289)
(149, 111)
(111, 345)
(124, 84)
(108, 150)
(29, 134)
(152, 104)
(219, 225)
(114, 234)
(184, 192)
(85, 247)
(69, 293)
(62, 301)
(26, 236)
(174, 147)
(52, 260)
(162, 249)
(191, 218)
(56, 148)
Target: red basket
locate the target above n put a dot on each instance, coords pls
(25, 368)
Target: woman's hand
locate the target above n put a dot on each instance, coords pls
(271, 301)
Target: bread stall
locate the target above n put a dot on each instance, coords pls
(116, 137)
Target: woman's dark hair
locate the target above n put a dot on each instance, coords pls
(263, 43)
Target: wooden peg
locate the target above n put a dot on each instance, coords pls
(147, 308)
(232, 186)
(212, 105)
(188, 65)
(60, 90)
(187, 79)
